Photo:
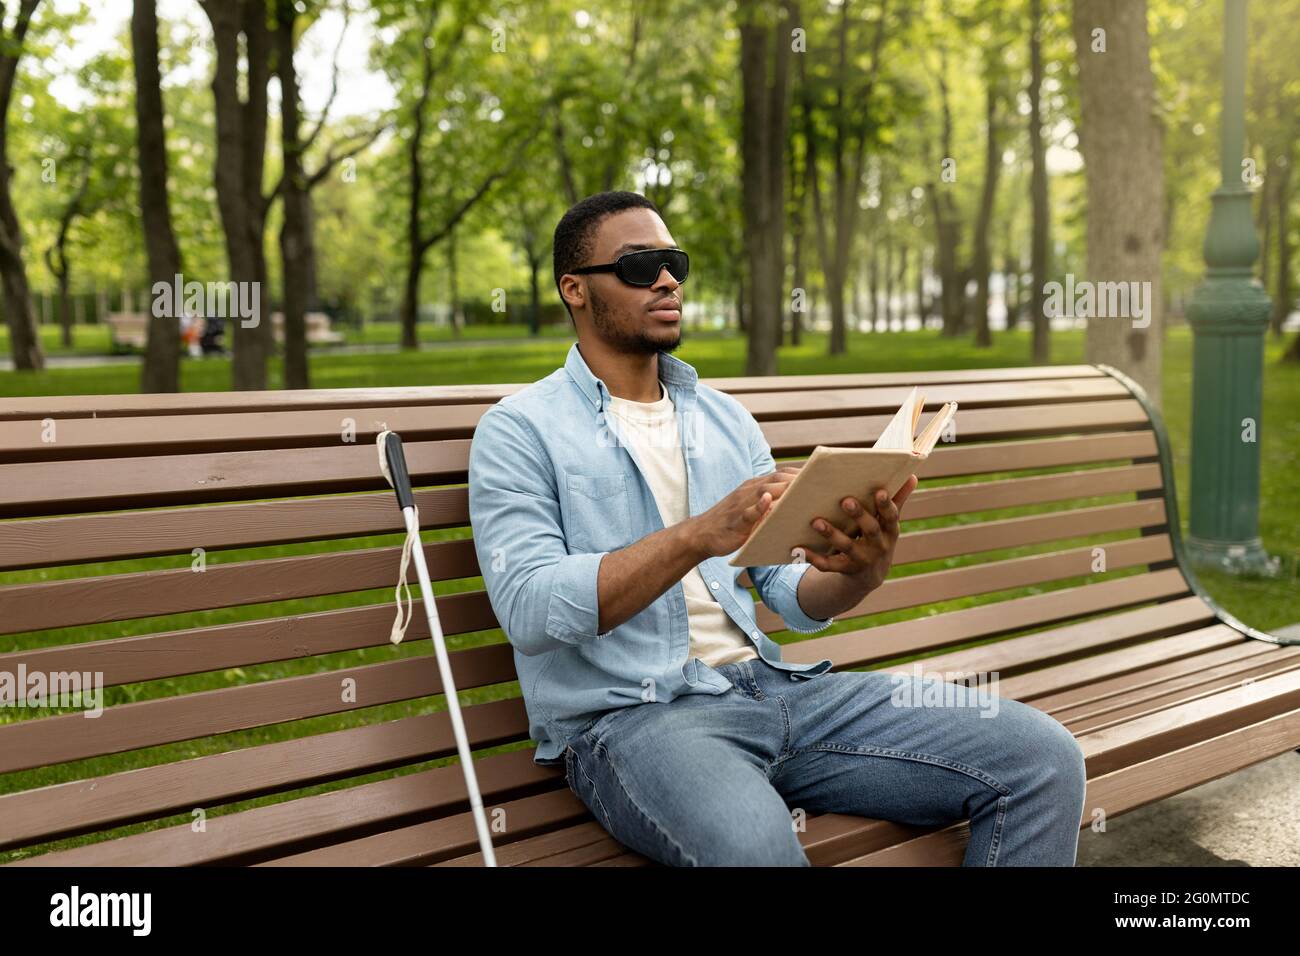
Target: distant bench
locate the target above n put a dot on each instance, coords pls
(129, 330)
(1162, 689)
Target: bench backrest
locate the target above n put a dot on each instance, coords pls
(284, 635)
(130, 328)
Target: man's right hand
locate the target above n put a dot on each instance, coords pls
(727, 525)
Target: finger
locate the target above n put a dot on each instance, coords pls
(868, 524)
(757, 509)
(834, 536)
(887, 513)
(837, 563)
(905, 492)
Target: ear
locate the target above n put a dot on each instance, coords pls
(573, 290)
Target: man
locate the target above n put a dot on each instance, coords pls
(606, 499)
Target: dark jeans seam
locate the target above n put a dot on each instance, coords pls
(595, 794)
(967, 769)
(1004, 792)
(613, 770)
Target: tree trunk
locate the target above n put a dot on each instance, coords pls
(887, 306)
(901, 313)
(873, 288)
(160, 371)
(20, 312)
(983, 260)
(1122, 145)
(1011, 292)
(415, 246)
(799, 206)
(454, 315)
(764, 120)
(1038, 264)
(534, 295)
(922, 307)
(241, 147)
(295, 232)
(56, 256)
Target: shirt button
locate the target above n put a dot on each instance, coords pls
(755, 634)
(714, 585)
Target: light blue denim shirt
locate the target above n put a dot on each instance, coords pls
(552, 490)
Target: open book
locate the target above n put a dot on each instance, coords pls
(832, 474)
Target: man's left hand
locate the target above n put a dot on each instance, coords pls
(867, 553)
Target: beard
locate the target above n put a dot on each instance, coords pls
(618, 331)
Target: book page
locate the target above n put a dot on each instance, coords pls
(897, 435)
(930, 437)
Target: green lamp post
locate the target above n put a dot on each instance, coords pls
(1229, 314)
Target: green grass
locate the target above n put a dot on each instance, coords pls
(1262, 603)
(95, 339)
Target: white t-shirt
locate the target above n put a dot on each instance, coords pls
(651, 429)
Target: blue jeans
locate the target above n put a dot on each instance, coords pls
(716, 780)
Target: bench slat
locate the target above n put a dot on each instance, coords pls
(1109, 678)
(48, 488)
(147, 793)
(887, 641)
(1198, 686)
(81, 406)
(37, 742)
(156, 791)
(102, 598)
(121, 437)
(118, 597)
(425, 843)
(46, 542)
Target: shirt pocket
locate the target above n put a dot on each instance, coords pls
(599, 518)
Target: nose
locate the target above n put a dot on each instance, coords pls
(665, 280)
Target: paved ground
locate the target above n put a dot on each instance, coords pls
(1248, 818)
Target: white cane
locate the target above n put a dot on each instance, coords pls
(392, 462)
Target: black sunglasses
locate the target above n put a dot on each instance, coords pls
(642, 268)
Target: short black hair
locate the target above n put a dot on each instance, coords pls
(575, 234)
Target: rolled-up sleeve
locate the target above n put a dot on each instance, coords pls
(544, 598)
(778, 584)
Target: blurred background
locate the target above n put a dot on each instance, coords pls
(862, 185)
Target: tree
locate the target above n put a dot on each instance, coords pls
(56, 255)
(466, 135)
(24, 343)
(1121, 141)
(947, 219)
(160, 371)
(764, 49)
(241, 157)
(1038, 247)
(994, 76)
(855, 120)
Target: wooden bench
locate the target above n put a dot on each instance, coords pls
(130, 330)
(1162, 689)
(319, 331)
(127, 330)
